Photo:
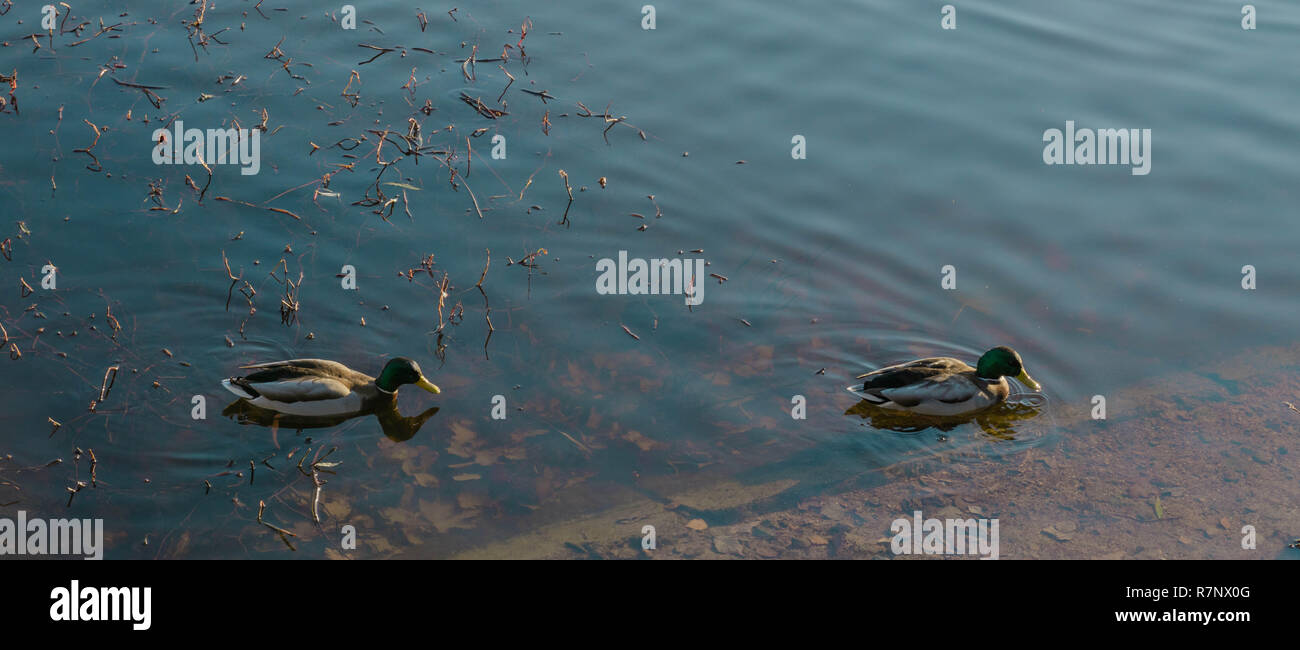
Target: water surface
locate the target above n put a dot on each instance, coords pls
(924, 149)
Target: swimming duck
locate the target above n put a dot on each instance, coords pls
(317, 387)
(945, 386)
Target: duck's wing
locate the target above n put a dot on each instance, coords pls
(289, 391)
(297, 368)
(296, 380)
(952, 389)
(936, 379)
(919, 369)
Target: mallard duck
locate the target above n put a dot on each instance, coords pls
(945, 386)
(317, 387)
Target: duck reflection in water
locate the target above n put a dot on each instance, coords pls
(998, 422)
(397, 427)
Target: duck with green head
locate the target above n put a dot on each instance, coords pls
(318, 387)
(945, 386)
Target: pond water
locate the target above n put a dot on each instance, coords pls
(924, 150)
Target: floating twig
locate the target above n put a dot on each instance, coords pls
(482, 109)
(110, 376)
(96, 166)
(380, 51)
(569, 189)
(487, 308)
(284, 534)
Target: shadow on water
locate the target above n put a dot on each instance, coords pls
(397, 427)
(998, 422)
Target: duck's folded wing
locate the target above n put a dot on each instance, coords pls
(296, 368)
(296, 389)
(953, 390)
(927, 365)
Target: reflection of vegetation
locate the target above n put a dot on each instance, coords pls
(397, 427)
(998, 422)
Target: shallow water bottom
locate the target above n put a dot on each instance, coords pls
(1184, 467)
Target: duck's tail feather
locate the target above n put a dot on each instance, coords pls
(240, 387)
(860, 391)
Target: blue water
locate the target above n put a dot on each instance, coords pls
(924, 149)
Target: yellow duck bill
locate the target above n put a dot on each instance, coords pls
(1025, 379)
(427, 385)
